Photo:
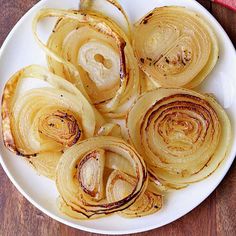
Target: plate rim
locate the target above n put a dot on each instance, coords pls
(77, 225)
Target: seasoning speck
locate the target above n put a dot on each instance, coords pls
(145, 21)
(142, 60)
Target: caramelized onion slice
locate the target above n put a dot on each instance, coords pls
(74, 201)
(175, 47)
(44, 120)
(121, 185)
(94, 53)
(182, 135)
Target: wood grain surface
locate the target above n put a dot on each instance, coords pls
(216, 216)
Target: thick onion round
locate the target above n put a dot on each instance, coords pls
(41, 123)
(89, 184)
(147, 204)
(175, 47)
(182, 135)
(93, 52)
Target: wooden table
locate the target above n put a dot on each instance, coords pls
(215, 216)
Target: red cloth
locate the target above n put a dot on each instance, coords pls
(227, 3)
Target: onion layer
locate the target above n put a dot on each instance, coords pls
(41, 122)
(182, 135)
(97, 6)
(77, 193)
(94, 53)
(175, 47)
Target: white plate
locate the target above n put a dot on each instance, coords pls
(20, 50)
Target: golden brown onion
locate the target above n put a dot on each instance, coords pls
(121, 185)
(182, 135)
(82, 173)
(175, 47)
(92, 52)
(41, 122)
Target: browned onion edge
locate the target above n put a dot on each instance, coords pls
(6, 113)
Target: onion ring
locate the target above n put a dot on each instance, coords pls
(182, 135)
(175, 47)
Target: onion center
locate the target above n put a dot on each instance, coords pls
(60, 127)
(101, 62)
(106, 62)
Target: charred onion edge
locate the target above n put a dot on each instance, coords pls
(7, 97)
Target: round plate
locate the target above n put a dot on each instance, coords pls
(20, 50)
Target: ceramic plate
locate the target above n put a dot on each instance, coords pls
(20, 49)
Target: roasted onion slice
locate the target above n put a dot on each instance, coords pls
(121, 185)
(40, 123)
(182, 135)
(175, 47)
(82, 173)
(92, 52)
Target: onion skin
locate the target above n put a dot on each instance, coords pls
(182, 135)
(175, 47)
